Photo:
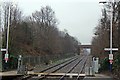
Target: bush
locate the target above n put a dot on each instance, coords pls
(104, 64)
(116, 66)
(117, 61)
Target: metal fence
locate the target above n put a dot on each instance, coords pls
(32, 60)
(44, 59)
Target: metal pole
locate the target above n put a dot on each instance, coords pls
(111, 19)
(7, 44)
(111, 29)
(110, 67)
(111, 32)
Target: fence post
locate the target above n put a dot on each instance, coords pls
(33, 60)
(19, 69)
(28, 59)
(39, 59)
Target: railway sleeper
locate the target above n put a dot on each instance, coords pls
(56, 77)
(65, 78)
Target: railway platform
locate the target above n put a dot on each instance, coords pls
(9, 75)
(98, 77)
(70, 76)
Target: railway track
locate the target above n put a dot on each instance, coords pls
(72, 63)
(80, 71)
(64, 62)
(60, 66)
(72, 68)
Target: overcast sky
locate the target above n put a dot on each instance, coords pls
(79, 17)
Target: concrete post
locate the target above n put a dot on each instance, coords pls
(91, 71)
(87, 71)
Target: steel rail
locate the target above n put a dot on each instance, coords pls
(57, 64)
(82, 69)
(58, 68)
(71, 69)
(65, 63)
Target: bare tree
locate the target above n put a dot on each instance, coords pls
(102, 31)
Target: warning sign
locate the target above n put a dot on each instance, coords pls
(6, 58)
(110, 56)
(111, 61)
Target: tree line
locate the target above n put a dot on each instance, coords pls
(37, 34)
(101, 37)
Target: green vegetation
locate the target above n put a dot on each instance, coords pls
(104, 64)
